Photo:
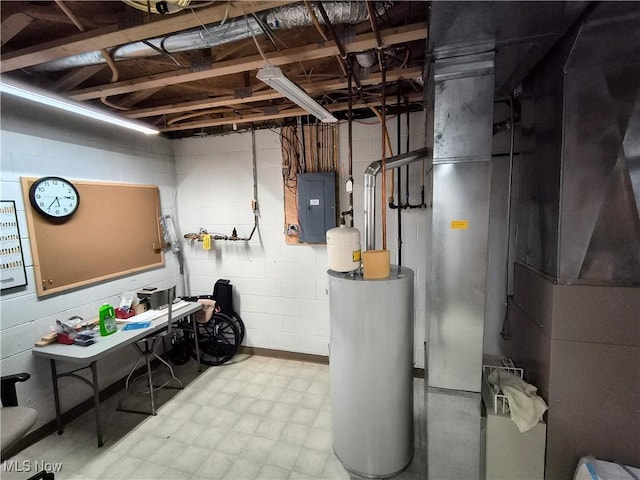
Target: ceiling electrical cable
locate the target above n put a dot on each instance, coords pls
(107, 56)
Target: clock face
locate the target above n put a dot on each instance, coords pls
(54, 197)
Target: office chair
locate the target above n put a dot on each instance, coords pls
(16, 421)
(146, 348)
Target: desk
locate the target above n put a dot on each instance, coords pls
(88, 356)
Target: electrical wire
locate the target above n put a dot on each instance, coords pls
(107, 56)
(255, 40)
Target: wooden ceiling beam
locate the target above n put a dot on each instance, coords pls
(76, 77)
(367, 41)
(288, 113)
(13, 25)
(112, 35)
(49, 12)
(137, 97)
(311, 88)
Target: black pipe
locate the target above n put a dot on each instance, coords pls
(406, 202)
(392, 203)
(338, 42)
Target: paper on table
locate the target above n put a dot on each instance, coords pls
(151, 314)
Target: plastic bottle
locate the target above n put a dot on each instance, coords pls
(107, 320)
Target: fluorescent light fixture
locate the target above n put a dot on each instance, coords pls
(274, 77)
(46, 98)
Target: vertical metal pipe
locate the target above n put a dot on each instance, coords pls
(370, 189)
(350, 117)
(407, 167)
(383, 112)
(368, 209)
(512, 124)
(255, 169)
(399, 182)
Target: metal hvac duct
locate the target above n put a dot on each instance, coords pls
(370, 189)
(219, 34)
(579, 175)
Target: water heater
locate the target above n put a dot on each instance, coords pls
(371, 371)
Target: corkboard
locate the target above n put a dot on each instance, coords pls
(114, 232)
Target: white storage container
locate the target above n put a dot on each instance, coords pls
(343, 249)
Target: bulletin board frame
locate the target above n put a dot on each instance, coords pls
(14, 272)
(115, 232)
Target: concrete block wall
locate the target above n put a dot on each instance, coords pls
(36, 142)
(281, 291)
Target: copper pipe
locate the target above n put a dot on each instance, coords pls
(374, 25)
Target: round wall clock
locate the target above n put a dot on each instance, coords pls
(55, 198)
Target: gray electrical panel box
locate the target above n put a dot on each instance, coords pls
(316, 206)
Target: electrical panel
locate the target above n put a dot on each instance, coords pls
(316, 206)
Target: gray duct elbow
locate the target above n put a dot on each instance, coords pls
(370, 174)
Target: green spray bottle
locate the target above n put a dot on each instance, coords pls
(107, 320)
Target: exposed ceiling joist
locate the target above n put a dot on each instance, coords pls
(310, 87)
(13, 25)
(289, 113)
(367, 41)
(112, 35)
(183, 94)
(137, 97)
(76, 77)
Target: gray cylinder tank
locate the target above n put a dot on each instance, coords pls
(371, 370)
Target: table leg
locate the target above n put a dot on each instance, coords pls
(195, 336)
(96, 402)
(56, 395)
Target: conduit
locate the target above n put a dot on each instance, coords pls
(512, 138)
(349, 183)
(383, 113)
(370, 174)
(254, 207)
(399, 125)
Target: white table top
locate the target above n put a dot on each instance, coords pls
(106, 345)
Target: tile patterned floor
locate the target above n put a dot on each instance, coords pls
(254, 418)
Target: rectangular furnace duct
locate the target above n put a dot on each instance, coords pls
(463, 121)
(463, 125)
